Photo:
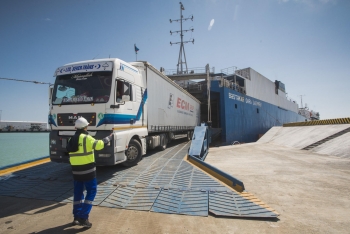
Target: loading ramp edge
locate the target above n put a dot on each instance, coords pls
(319, 122)
(228, 180)
(23, 165)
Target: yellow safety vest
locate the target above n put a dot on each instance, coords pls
(85, 153)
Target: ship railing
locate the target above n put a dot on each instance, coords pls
(244, 73)
(195, 70)
(235, 71)
(231, 85)
(189, 85)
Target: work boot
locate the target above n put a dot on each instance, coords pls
(76, 221)
(85, 223)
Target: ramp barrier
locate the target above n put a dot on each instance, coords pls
(319, 122)
(200, 142)
(227, 179)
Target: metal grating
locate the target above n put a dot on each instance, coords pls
(134, 198)
(15, 185)
(46, 190)
(182, 202)
(232, 204)
(162, 182)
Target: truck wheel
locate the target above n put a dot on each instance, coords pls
(189, 135)
(133, 153)
(164, 143)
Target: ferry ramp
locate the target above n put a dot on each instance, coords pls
(163, 182)
(332, 139)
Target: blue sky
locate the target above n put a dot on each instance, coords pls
(303, 43)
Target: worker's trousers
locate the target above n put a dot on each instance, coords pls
(82, 206)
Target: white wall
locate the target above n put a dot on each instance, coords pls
(262, 88)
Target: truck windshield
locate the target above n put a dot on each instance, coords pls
(82, 88)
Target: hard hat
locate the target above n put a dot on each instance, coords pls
(81, 122)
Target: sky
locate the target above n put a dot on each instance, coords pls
(303, 43)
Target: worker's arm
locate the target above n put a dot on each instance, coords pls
(98, 144)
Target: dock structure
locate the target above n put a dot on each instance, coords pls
(307, 188)
(163, 182)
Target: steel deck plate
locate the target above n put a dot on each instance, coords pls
(182, 202)
(232, 204)
(133, 198)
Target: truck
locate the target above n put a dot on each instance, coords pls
(138, 104)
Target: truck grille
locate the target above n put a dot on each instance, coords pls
(68, 119)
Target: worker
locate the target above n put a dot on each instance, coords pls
(81, 151)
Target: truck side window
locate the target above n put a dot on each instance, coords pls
(124, 88)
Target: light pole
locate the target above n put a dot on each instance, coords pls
(0, 115)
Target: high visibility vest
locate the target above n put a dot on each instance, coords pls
(83, 160)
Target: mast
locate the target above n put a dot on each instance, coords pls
(182, 56)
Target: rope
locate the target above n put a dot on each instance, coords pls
(29, 81)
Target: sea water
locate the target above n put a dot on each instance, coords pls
(20, 147)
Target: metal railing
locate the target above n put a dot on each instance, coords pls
(190, 85)
(234, 70)
(231, 85)
(195, 70)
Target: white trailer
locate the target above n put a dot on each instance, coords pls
(142, 107)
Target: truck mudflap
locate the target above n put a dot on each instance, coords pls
(144, 146)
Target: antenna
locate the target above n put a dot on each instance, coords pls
(180, 68)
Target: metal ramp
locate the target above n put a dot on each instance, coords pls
(164, 182)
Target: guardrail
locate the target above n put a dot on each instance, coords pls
(319, 122)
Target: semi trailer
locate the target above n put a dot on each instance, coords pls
(141, 106)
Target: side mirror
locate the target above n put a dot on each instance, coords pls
(50, 94)
(125, 98)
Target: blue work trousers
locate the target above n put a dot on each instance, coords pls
(82, 206)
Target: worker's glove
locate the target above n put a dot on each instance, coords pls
(107, 139)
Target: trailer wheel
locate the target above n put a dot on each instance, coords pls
(189, 135)
(133, 153)
(164, 142)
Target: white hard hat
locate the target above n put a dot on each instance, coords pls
(81, 122)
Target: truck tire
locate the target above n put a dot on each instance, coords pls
(164, 142)
(133, 153)
(189, 135)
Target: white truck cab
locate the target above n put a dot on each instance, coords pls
(114, 96)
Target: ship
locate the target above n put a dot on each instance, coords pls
(241, 105)
(309, 114)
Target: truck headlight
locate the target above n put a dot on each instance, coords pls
(104, 155)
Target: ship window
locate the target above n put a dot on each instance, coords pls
(257, 110)
(236, 106)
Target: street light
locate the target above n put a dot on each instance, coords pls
(0, 115)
